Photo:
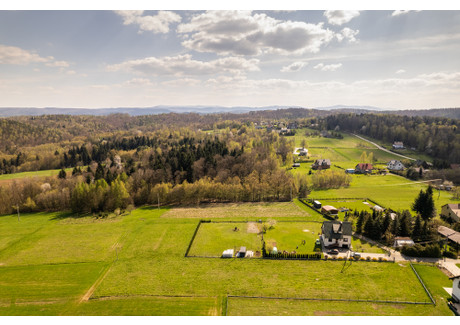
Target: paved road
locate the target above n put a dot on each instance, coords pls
(382, 148)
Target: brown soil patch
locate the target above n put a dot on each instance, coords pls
(253, 228)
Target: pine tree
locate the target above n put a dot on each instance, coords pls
(417, 230)
(360, 222)
(62, 174)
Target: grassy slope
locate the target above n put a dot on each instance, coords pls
(151, 269)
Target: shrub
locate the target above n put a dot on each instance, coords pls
(380, 259)
(368, 258)
(374, 259)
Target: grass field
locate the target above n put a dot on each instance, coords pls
(135, 265)
(7, 178)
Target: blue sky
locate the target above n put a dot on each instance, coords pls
(384, 58)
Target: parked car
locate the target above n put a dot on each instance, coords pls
(333, 251)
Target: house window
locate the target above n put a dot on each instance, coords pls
(345, 240)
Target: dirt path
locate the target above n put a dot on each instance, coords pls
(96, 284)
(383, 149)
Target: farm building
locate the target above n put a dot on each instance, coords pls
(303, 152)
(336, 233)
(398, 145)
(329, 209)
(395, 165)
(317, 204)
(451, 211)
(363, 168)
(402, 241)
(321, 164)
(452, 236)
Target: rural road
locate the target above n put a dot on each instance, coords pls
(382, 148)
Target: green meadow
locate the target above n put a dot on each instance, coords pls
(134, 264)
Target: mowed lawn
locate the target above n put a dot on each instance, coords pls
(390, 191)
(136, 266)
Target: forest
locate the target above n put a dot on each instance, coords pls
(119, 161)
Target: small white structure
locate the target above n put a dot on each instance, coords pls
(275, 250)
(296, 165)
(398, 145)
(228, 253)
(378, 208)
(403, 241)
(456, 288)
(395, 165)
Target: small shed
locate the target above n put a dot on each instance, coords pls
(241, 252)
(228, 253)
(296, 165)
(329, 209)
(350, 171)
(403, 241)
(317, 204)
(378, 208)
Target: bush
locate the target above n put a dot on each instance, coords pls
(368, 258)
(431, 250)
(449, 254)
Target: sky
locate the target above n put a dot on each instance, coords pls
(308, 58)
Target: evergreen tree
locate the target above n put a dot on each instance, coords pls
(62, 174)
(417, 230)
(405, 223)
(360, 222)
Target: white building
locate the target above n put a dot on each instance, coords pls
(395, 165)
(398, 145)
(336, 233)
(403, 241)
(456, 288)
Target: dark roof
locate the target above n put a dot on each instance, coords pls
(323, 162)
(336, 229)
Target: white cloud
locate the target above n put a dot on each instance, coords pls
(17, 56)
(245, 33)
(327, 67)
(155, 24)
(184, 65)
(348, 34)
(296, 66)
(138, 82)
(184, 82)
(400, 71)
(402, 12)
(340, 17)
(59, 64)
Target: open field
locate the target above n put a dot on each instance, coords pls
(7, 178)
(135, 265)
(390, 191)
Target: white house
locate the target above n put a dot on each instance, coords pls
(456, 288)
(336, 233)
(395, 165)
(398, 145)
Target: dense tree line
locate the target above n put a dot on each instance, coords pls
(437, 137)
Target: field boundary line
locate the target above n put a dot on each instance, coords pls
(423, 284)
(193, 237)
(400, 302)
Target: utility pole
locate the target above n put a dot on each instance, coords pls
(158, 196)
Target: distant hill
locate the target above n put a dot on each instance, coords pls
(164, 109)
(435, 112)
